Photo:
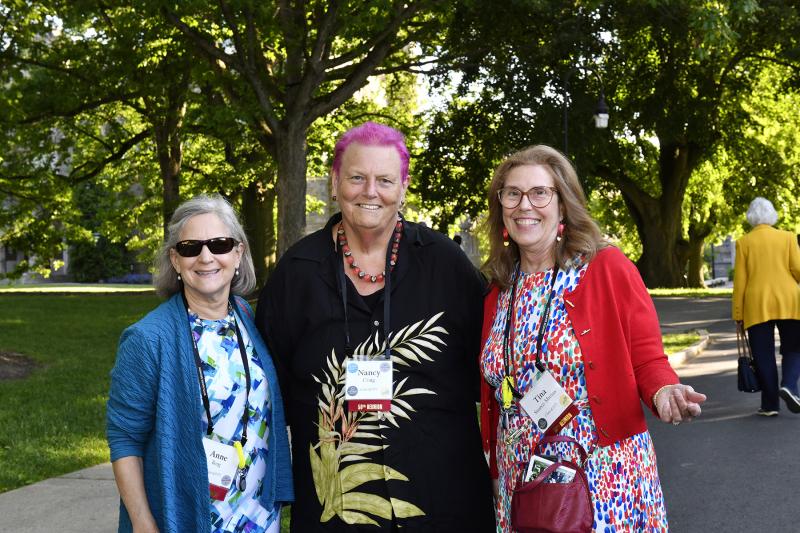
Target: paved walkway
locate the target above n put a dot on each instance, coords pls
(87, 502)
(81, 502)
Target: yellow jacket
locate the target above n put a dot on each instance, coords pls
(766, 276)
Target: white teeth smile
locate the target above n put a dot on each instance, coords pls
(370, 207)
(209, 273)
(527, 222)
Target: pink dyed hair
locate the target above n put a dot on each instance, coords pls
(373, 134)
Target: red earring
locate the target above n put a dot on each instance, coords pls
(560, 234)
(505, 238)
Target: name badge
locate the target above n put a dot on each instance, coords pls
(222, 461)
(547, 404)
(368, 385)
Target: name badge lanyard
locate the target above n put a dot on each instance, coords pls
(508, 390)
(387, 291)
(242, 469)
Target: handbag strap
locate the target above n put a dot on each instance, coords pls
(563, 438)
(742, 345)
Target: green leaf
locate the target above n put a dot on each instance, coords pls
(369, 503)
(355, 475)
(404, 509)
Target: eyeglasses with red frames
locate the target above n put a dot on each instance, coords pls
(511, 197)
(217, 246)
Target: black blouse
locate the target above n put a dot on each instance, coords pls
(421, 466)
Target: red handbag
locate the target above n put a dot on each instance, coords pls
(539, 507)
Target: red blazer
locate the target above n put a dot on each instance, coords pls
(617, 329)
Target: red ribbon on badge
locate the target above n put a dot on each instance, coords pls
(218, 493)
(563, 419)
(369, 405)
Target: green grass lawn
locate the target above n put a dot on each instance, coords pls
(75, 288)
(675, 342)
(54, 421)
(692, 293)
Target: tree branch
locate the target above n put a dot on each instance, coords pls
(200, 41)
(357, 78)
(231, 61)
(315, 71)
(195, 170)
(115, 156)
(80, 109)
(47, 66)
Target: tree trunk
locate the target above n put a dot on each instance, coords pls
(698, 233)
(170, 157)
(167, 114)
(695, 273)
(657, 223)
(258, 205)
(290, 156)
(658, 219)
(659, 264)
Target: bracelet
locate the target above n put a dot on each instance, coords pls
(656, 395)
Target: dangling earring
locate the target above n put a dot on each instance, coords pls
(505, 238)
(560, 233)
(179, 277)
(236, 272)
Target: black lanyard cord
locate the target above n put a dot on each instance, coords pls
(387, 291)
(201, 378)
(507, 347)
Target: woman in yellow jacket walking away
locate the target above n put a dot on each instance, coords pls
(766, 294)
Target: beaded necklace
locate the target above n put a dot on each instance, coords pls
(348, 255)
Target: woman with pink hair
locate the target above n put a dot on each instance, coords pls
(374, 323)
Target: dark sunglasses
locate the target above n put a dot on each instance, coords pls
(217, 246)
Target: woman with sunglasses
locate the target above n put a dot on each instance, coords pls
(195, 419)
(568, 318)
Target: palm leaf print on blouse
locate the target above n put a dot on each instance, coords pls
(340, 461)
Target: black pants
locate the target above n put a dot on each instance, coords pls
(762, 343)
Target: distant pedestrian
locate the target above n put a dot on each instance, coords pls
(766, 295)
(573, 348)
(195, 419)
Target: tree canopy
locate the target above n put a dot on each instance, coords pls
(113, 112)
(677, 75)
(208, 98)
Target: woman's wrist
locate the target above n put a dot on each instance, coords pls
(655, 396)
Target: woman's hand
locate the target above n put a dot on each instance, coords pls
(678, 403)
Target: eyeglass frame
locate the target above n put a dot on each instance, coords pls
(182, 245)
(553, 192)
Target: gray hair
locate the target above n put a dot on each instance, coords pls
(166, 279)
(761, 211)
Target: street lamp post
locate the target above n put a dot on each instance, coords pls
(600, 114)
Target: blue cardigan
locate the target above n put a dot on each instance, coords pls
(154, 412)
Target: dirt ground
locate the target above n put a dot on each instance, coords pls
(15, 365)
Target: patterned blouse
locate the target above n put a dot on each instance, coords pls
(225, 381)
(623, 480)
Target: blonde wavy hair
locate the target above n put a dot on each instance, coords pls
(581, 236)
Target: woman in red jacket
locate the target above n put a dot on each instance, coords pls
(572, 347)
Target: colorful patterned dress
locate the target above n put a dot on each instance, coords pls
(623, 480)
(218, 347)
